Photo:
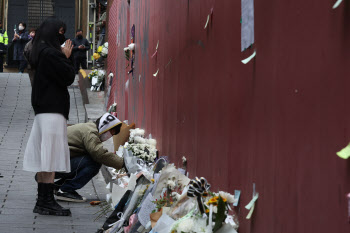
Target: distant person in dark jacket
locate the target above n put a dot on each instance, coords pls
(20, 39)
(47, 150)
(81, 45)
(27, 50)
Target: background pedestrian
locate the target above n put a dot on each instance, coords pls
(81, 45)
(20, 39)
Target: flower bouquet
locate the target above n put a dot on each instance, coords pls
(102, 51)
(142, 148)
(97, 78)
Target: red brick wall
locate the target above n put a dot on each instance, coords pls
(276, 121)
(112, 48)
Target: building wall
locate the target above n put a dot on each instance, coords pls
(276, 122)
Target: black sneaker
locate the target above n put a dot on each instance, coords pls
(69, 196)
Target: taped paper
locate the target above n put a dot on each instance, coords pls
(245, 61)
(345, 152)
(251, 203)
(247, 26)
(155, 74)
(250, 212)
(154, 53)
(337, 4)
(206, 24)
(237, 195)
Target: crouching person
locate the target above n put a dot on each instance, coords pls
(87, 155)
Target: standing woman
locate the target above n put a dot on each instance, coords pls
(20, 39)
(47, 150)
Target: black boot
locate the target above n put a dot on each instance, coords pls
(46, 203)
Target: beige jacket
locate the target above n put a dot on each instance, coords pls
(83, 139)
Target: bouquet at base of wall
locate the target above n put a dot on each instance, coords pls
(97, 79)
(163, 199)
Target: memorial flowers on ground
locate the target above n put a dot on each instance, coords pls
(167, 201)
(97, 79)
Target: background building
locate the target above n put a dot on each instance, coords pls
(76, 14)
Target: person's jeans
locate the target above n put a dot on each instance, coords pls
(22, 65)
(83, 169)
(79, 61)
(1, 62)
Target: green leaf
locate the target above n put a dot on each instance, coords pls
(220, 216)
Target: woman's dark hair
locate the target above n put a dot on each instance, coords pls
(23, 24)
(32, 30)
(47, 35)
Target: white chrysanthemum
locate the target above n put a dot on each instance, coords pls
(105, 44)
(229, 197)
(184, 159)
(170, 184)
(152, 142)
(104, 51)
(139, 139)
(186, 225)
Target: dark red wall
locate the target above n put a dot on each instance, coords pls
(276, 121)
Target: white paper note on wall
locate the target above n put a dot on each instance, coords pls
(247, 27)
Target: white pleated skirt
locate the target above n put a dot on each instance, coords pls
(47, 149)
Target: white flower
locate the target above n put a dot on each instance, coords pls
(229, 197)
(140, 132)
(139, 140)
(186, 225)
(184, 159)
(104, 51)
(105, 44)
(229, 220)
(171, 184)
(175, 196)
(152, 142)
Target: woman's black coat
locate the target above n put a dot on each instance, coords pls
(53, 74)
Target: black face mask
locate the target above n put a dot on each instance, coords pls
(61, 38)
(80, 37)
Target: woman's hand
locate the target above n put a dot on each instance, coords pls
(67, 49)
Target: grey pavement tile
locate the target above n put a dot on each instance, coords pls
(13, 219)
(19, 212)
(15, 229)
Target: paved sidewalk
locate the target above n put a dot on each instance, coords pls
(17, 187)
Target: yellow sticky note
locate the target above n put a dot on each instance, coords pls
(251, 211)
(83, 73)
(337, 4)
(245, 61)
(155, 74)
(206, 24)
(345, 152)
